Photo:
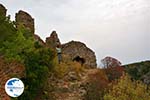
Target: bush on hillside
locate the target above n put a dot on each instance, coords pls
(126, 89)
(114, 73)
(137, 70)
(18, 44)
(96, 86)
(7, 29)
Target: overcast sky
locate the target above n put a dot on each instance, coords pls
(117, 28)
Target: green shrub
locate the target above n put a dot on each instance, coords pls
(18, 44)
(137, 70)
(7, 29)
(127, 89)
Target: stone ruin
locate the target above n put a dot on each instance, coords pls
(53, 40)
(78, 51)
(23, 18)
(3, 10)
(39, 40)
(75, 50)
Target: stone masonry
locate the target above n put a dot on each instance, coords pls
(23, 18)
(3, 10)
(76, 49)
(53, 40)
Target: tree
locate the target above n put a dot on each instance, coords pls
(19, 45)
(110, 62)
(15, 47)
(114, 73)
(7, 29)
(38, 64)
(112, 68)
(96, 86)
(127, 89)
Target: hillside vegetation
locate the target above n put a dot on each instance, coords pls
(36, 65)
(139, 71)
(17, 45)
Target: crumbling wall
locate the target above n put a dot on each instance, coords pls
(23, 18)
(3, 10)
(52, 41)
(76, 49)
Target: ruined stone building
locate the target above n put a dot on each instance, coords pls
(78, 51)
(3, 10)
(53, 40)
(75, 50)
(23, 18)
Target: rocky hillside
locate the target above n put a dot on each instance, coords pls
(71, 81)
(8, 70)
(140, 70)
(26, 56)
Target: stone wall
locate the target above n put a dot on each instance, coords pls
(23, 18)
(76, 49)
(3, 10)
(38, 39)
(52, 41)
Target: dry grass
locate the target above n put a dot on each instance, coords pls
(63, 69)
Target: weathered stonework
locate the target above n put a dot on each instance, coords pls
(3, 10)
(23, 18)
(79, 51)
(38, 39)
(53, 40)
(74, 50)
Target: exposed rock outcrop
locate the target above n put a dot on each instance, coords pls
(23, 18)
(74, 84)
(3, 10)
(53, 40)
(146, 78)
(75, 50)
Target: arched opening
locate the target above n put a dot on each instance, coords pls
(79, 60)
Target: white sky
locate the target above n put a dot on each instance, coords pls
(117, 28)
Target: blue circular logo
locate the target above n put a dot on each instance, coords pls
(14, 87)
